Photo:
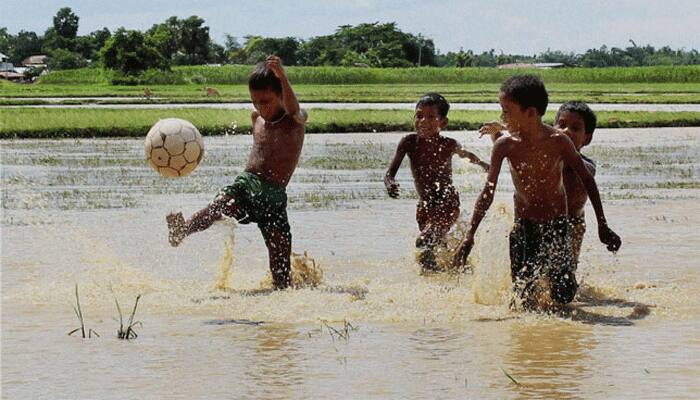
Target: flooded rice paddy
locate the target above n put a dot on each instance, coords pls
(91, 213)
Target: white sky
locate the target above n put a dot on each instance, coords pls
(513, 26)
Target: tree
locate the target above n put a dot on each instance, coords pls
(25, 44)
(193, 41)
(257, 49)
(65, 23)
(5, 41)
(165, 37)
(64, 59)
(183, 41)
(381, 45)
(127, 51)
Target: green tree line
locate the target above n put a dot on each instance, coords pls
(187, 41)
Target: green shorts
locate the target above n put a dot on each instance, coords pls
(258, 201)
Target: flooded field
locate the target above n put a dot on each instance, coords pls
(91, 213)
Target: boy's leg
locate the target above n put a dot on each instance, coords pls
(434, 224)
(178, 228)
(577, 226)
(523, 261)
(278, 239)
(562, 265)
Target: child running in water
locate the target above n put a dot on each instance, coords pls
(259, 193)
(430, 155)
(577, 121)
(540, 242)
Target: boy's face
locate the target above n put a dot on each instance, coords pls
(428, 121)
(268, 103)
(573, 125)
(513, 115)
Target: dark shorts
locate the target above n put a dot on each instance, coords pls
(577, 226)
(436, 217)
(543, 250)
(258, 201)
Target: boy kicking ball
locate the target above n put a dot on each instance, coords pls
(259, 193)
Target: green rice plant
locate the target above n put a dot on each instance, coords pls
(238, 74)
(128, 332)
(79, 313)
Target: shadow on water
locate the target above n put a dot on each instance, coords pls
(233, 321)
(590, 297)
(355, 292)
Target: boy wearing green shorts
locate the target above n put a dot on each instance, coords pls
(259, 193)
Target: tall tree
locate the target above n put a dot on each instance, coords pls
(65, 23)
(128, 51)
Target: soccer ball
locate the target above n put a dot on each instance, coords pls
(174, 147)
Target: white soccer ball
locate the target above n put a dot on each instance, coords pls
(174, 147)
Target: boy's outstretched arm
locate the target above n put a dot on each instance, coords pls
(473, 158)
(392, 187)
(494, 129)
(289, 99)
(573, 159)
(483, 202)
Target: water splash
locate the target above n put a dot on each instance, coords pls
(490, 260)
(226, 261)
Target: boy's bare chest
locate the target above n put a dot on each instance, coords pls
(535, 164)
(430, 155)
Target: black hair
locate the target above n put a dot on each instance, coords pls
(582, 109)
(263, 78)
(527, 91)
(435, 99)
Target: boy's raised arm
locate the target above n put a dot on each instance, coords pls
(289, 99)
(483, 202)
(573, 159)
(392, 187)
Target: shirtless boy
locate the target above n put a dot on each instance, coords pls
(540, 242)
(430, 155)
(577, 121)
(259, 193)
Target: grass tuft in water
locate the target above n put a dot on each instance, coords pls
(127, 333)
(79, 313)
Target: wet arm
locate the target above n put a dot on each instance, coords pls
(483, 203)
(389, 182)
(573, 159)
(473, 158)
(289, 99)
(485, 199)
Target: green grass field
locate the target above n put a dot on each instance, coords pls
(57, 123)
(238, 74)
(360, 93)
(337, 84)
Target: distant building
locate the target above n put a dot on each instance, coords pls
(36, 61)
(4, 65)
(11, 76)
(532, 65)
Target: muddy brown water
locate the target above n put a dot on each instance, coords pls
(91, 212)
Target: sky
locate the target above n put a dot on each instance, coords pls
(511, 26)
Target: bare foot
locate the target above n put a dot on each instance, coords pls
(176, 228)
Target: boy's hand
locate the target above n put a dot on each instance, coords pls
(274, 64)
(609, 238)
(460, 258)
(485, 166)
(492, 129)
(393, 190)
